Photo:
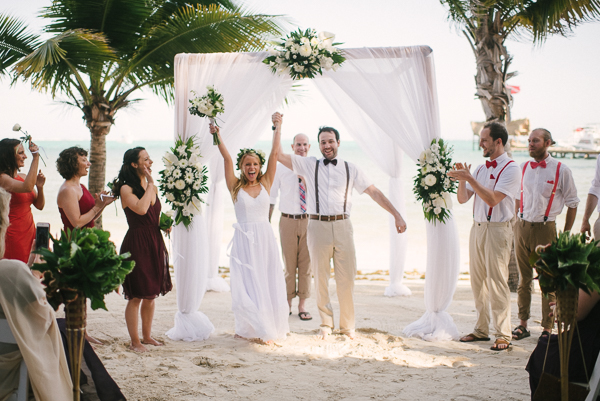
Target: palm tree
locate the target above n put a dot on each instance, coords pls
(102, 51)
(488, 23)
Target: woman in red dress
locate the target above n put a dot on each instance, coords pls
(150, 276)
(21, 232)
(77, 206)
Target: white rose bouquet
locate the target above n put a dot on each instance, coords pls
(305, 54)
(209, 105)
(183, 180)
(432, 186)
(26, 138)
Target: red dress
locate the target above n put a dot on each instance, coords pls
(150, 277)
(86, 203)
(21, 231)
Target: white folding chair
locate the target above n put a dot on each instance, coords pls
(594, 382)
(6, 336)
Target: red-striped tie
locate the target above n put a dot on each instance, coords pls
(302, 196)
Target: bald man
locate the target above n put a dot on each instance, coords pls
(292, 228)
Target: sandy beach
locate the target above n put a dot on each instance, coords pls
(380, 364)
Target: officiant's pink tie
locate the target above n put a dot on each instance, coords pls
(302, 195)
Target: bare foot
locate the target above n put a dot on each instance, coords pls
(324, 333)
(92, 340)
(138, 347)
(350, 335)
(151, 341)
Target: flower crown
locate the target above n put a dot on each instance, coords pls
(243, 152)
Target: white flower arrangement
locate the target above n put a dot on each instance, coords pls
(209, 105)
(183, 180)
(431, 185)
(305, 54)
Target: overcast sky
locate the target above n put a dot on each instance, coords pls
(558, 80)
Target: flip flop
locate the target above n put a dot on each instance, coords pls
(304, 316)
(520, 332)
(500, 341)
(469, 338)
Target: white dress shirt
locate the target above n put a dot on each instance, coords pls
(595, 188)
(508, 183)
(537, 190)
(286, 182)
(332, 184)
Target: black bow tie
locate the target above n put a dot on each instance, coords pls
(327, 161)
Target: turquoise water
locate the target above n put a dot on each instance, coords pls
(371, 229)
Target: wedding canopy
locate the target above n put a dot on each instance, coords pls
(387, 99)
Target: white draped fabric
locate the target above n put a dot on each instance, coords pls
(386, 96)
(251, 93)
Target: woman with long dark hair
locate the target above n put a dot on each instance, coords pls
(26, 190)
(150, 276)
(258, 293)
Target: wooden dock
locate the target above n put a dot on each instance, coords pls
(569, 152)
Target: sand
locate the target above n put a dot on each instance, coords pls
(380, 364)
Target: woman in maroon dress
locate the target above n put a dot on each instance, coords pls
(77, 206)
(150, 276)
(21, 232)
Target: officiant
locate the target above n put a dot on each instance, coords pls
(329, 182)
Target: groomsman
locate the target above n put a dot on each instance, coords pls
(591, 204)
(292, 228)
(495, 186)
(329, 182)
(546, 187)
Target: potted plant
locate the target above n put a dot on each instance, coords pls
(83, 264)
(566, 265)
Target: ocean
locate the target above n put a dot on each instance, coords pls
(371, 222)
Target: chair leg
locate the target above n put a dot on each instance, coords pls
(23, 391)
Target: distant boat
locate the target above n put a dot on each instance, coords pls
(587, 137)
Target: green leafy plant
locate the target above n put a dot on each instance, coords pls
(84, 261)
(568, 261)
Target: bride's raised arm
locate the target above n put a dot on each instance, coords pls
(230, 177)
(277, 119)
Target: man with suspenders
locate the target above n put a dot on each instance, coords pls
(495, 185)
(329, 183)
(591, 204)
(546, 186)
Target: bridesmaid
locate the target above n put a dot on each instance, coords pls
(77, 206)
(150, 276)
(21, 232)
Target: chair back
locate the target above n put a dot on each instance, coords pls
(6, 335)
(594, 382)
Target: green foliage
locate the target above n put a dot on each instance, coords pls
(83, 260)
(568, 261)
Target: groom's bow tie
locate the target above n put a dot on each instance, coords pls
(489, 164)
(327, 161)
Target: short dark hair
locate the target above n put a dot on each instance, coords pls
(328, 129)
(67, 163)
(546, 135)
(8, 156)
(497, 131)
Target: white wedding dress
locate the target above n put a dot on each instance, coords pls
(258, 293)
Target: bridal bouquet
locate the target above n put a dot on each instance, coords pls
(431, 186)
(304, 54)
(209, 105)
(183, 180)
(26, 138)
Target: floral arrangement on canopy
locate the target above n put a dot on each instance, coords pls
(209, 105)
(305, 54)
(431, 185)
(183, 180)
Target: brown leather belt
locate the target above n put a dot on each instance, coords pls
(329, 218)
(295, 216)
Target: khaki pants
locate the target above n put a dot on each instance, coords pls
(295, 256)
(489, 253)
(327, 240)
(527, 237)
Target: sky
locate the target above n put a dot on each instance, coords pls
(558, 80)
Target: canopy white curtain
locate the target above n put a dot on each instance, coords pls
(388, 98)
(251, 93)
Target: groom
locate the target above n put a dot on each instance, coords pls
(329, 183)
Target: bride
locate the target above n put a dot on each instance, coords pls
(259, 299)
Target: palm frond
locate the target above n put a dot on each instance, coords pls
(15, 42)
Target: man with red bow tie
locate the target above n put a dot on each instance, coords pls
(494, 185)
(546, 187)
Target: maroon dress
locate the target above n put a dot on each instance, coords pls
(86, 203)
(150, 276)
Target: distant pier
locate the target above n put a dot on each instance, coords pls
(569, 152)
